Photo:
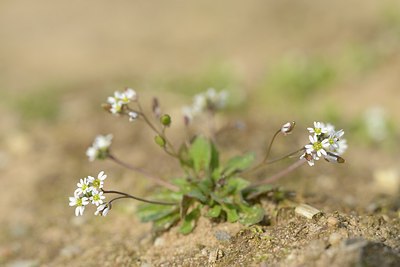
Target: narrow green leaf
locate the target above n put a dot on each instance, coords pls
(251, 215)
(200, 153)
(189, 221)
(214, 212)
(151, 212)
(214, 162)
(238, 163)
(254, 192)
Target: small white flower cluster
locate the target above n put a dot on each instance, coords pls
(90, 191)
(210, 100)
(324, 141)
(100, 147)
(121, 99)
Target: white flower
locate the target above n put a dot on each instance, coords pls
(317, 146)
(330, 129)
(115, 102)
(97, 197)
(79, 202)
(99, 148)
(209, 100)
(319, 128)
(342, 143)
(103, 141)
(130, 94)
(334, 138)
(132, 116)
(120, 99)
(91, 153)
(287, 127)
(97, 183)
(199, 103)
(83, 187)
(103, 209)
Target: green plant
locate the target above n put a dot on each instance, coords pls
(207, 187)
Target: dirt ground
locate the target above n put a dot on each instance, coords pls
(60, 60)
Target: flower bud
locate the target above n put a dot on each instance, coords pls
(106, 107)
(159, 140)
(165, 120)
(287, 127)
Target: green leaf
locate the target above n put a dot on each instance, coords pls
(166, 222)
(189, 222)
(184, 206)
(205, 186)
(231, 213)
(184, 156)
(214, 162)
(152, 212)
(214, 212)
(238, 163)
(200, 153)
(197, 194)
(220, 199)
(237, 183)
(251, 215)
(254, 192)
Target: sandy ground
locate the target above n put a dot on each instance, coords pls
(59, 61)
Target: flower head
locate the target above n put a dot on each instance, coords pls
(120, 99)
(83, 187)
(97, 198)
(97, 183)
(100, 147)
(318, 129)
(317, 146)
(80, 202)
(88, 191)
(326, 142)
(210, 100)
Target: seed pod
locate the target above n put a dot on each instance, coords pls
(159, 141)
(165, 120)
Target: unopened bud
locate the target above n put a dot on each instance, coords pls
(156, 107)
(106, 107)
(165, 120)
(159, 140)
(330, 157)
(287, 127)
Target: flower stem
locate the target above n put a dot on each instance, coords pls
(280, 174)
(270, 145)
(125, 195)
(264, 163)
(155, 179)
(160, 133)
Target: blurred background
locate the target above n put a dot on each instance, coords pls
(334, 61)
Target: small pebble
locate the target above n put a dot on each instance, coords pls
(332, 221)
(159, 242)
